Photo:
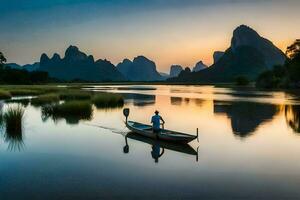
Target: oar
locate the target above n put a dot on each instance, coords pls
(197, 157)
(163, 126)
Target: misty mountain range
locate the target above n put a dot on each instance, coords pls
(76, 65)
(249, 55)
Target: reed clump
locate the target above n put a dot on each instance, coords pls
(13, 117)
(108, 100)
(45, 99)
(70, 110)
(31, 90)
(75, 95)
(5, 94)
(24, 102)
(49, 89)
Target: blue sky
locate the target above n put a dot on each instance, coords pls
(166, 31)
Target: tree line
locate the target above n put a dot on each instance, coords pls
(286, 75)
(9, 75)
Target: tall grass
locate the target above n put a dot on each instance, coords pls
(5, 94)
(108, 100)
(13, 117)
(24, 102)
(45, 99)
(75, 95)
(24, 92)
(31, 90)
(49, 89)
(72, 111)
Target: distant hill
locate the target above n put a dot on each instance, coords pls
(76, 65)
(164, 75)
(199, 66)
(140, 69)
(32, 67)
(28, 67)
(248, 55)
(175, 70)
(185, 72)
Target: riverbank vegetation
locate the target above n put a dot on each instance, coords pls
(45, 99)
(68, 102)
(74, 94)
(241, 81)
(5, 94)
(72, 111)
(12, 119)
(283, 76)
(10, 75)
(30, 90)
(108, 100)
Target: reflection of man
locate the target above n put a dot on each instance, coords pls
(156, 151)
(156, 122)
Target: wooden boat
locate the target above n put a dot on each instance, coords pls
(166, 135)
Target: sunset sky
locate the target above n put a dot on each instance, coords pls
(166, 31)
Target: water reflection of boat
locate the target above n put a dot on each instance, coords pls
(164, 134)
(158, 146)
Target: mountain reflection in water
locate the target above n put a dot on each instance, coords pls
(245, 116)
(139, 99)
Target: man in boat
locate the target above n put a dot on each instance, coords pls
(156, 123)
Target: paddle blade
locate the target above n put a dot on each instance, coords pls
(126, 112)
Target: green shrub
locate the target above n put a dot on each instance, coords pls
(45, 99)
(108, 100)
(5, 94)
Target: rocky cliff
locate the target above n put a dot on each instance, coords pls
(140, 69)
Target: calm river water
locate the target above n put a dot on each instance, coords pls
(249, 148)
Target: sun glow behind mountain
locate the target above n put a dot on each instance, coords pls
(168, 32)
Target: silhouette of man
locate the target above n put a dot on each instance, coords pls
(156, 123)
